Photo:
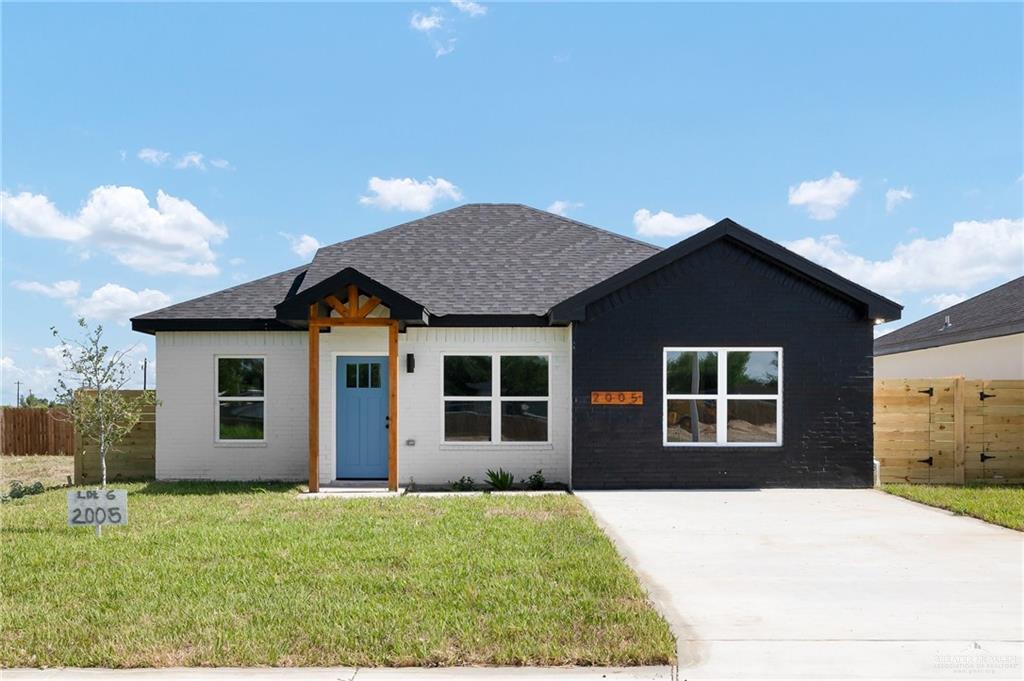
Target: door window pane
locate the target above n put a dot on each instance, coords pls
(753, 372)
(752, 421)
(351, 372)
(240, 376)
(692, 373)
(467, 376)
(524, 376)
(375, 375)
(691, 421)
(364, 375)
(467, 421)
(241, 420)
(523, 421)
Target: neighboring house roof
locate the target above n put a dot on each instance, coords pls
(484, 259)
(875, 306)
(998, 312)
(478, 263)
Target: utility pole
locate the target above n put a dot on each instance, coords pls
(17, 402)
(145, 371)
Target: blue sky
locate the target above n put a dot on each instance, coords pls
(153, 153)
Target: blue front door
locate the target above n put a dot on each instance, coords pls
(361, 418)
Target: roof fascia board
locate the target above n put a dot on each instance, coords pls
(152, 326)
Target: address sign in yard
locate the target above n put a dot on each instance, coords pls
(92, 507)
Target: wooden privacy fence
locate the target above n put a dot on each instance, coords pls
(949, 430)
(33, 431)
(133, 458)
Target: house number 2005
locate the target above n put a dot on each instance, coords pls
(617, 397)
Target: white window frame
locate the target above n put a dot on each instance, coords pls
(720, 398)
(495, 399)
(217, 399)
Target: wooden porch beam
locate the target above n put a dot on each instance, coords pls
(314, 399)
(350, 321)
(368, 307)
(353, 300)
(336, 305)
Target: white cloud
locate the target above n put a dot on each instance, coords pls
(563, 207)
(426, 23)
(408, 194)
(303, 245)
(473, 9)
(154, 157)
(824, 198)
(172, 236)
(941, 301)
(108, 302)
(192, 159)
(664, 223)
(971, 253)
(894, 197)
(445, 47)
(117, 303)
(35, 215)
(58, 289)
(235, 262)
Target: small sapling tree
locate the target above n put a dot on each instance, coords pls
(90, 389)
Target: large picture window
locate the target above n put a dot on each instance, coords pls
(496, 398)
(723, 397)
(240, 399)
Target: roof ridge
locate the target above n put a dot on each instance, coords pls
(579, 223)
(562, 218)
(389, 229)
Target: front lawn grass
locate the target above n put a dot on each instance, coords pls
(999, 504)
(247, 574)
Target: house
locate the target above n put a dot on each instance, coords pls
(498, 335)
(982, 337)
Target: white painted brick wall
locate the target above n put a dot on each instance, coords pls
(186, 447)
(185, 423)
(431, 461)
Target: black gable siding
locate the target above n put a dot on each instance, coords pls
(722, 295)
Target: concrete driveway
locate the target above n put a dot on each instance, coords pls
(824, 583)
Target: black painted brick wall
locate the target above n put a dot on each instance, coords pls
(724, 295)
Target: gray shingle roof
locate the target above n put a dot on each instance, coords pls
(503, 259)
(252, 300)
(500, 259)
(998, 312)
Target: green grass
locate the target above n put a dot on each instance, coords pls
(999, 504)
(246, 574)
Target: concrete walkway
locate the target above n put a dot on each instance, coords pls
(822, 584)
(345, 674)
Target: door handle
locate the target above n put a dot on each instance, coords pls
(387, 422)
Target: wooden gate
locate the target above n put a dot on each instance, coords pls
(995, 431)
(949, 430)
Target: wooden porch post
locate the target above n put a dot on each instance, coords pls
(393, 406)
(314, 399)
